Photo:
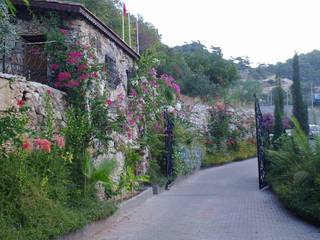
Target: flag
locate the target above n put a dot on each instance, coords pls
(124, 9)
(129, 28)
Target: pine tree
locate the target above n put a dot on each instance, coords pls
(300, 110)
(278, 109)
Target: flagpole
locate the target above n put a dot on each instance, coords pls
(123, 21)
(129, 29)
(138, 47)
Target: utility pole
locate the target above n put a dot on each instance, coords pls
(4, 56)
(129, 29)
(287, 100)
(138, 44)
(311, 89)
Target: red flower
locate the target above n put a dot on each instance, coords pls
(21, 103)
(82, 67)
(94, 75)
(64, 31)
(49, 91)
(62, 76)
(109, 102)
(43, 144)
(46, 145)
(26, 145)
(60, 141)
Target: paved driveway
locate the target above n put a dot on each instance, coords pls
(221, 203)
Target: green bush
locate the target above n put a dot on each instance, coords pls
(37, 201)
(294, 173)
(246, 150)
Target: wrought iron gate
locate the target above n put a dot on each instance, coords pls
(262, 135)
(169, 147)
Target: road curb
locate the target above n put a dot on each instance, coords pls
(90, 230)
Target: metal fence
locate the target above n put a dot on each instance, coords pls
(26, 59)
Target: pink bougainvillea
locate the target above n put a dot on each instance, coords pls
(83, 77)
(94, 75)
(153, 72)
(133, 93)
(72, 83)
(54, 66)
(62, 76)
(170, 82)
(129, 133)
(176, 88)
(82, 67)
(74, 57)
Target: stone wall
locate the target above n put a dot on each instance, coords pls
(14, 88)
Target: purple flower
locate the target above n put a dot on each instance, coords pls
(133, 93)
(267, 121)
(286, 122)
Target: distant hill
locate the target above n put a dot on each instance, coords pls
(309, 69)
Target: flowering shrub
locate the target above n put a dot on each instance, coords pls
(93, 116)
(227, 130)
(150, 96)
(13, 125)
(218, 127)
(268, 122)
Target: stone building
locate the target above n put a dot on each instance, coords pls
(27, 57)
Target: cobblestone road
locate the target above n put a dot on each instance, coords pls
(221, 203)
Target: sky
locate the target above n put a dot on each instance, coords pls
(267, 31)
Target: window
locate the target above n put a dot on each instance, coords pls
(35, 62)
(114, 79)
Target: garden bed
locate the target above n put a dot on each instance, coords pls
(294, 174)
(246, 151)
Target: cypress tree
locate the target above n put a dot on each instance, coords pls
(300, 110)
(278, 109)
